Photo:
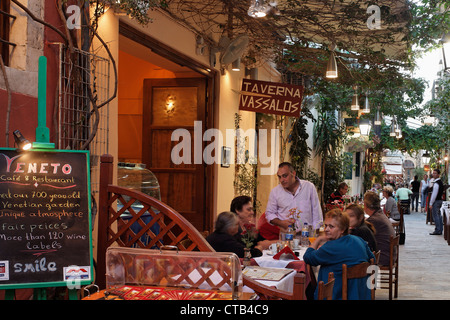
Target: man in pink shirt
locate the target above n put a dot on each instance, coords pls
(293, 201)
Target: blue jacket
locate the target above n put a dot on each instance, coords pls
(348, 249)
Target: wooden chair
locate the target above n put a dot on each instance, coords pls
(325, 290)
(399, 226)
(389, 274)
(377, 256)
(270, 293)
(354, 272)
(173, 228)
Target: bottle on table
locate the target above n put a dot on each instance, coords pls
(289, 236)
(305, 234)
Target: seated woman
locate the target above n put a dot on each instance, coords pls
(381, 223)
(335, 248)
(223, 238)
(243, 208)
(360, 227)
(390, 207)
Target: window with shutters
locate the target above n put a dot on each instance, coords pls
(4, 30)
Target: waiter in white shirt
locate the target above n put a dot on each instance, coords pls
(293, 197)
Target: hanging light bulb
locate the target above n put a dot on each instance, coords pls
(392, 133)
(366, 105)
(397, 128)
(355, 99)
(258, 9)
(377, 121)
(236, 65)
(332, 71)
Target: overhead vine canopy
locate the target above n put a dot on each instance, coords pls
(301, 32)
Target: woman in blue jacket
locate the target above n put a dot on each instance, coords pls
(335, 248)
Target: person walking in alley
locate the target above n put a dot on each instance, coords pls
(415, 188)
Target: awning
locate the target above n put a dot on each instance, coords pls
(393, 169)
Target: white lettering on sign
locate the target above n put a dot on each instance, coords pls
(39, 265)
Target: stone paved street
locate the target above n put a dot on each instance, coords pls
(424, 269)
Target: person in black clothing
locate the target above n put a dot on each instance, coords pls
(436, 202)
(223, 240)
(336, 197)
(415, 188)
(360, 227)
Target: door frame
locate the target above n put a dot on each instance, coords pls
(212, 91)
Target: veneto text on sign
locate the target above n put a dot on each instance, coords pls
(271, 97)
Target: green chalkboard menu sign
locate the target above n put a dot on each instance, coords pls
(45, 219)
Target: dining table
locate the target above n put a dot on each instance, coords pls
(287, 283)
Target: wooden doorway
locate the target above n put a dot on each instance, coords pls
(168, 105)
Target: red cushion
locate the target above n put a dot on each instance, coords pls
(267, 230)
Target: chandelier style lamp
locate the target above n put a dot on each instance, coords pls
(446, 51)
(364, 127)
(392, 133)
(366, 108)
(355, 100)
(399, 134)
(377, 121)
(258, 9)
(426, 158)
(332, 71)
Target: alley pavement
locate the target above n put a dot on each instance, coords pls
(424, 266)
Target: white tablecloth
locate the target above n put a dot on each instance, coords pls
(267, 260)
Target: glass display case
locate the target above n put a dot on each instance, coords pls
(136, 177)
(143, 274)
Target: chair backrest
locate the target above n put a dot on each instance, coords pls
(325, 290)
(394, 248)
(157, 223)
(270, 293)
(355, 272)
(377, 255)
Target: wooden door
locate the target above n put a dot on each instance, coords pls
(171, 104)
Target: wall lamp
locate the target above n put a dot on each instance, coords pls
(20, 140)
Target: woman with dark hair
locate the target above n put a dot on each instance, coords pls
(243, 208)
(223, 238)
(381, 223)
(360, 227)
(335, 248)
